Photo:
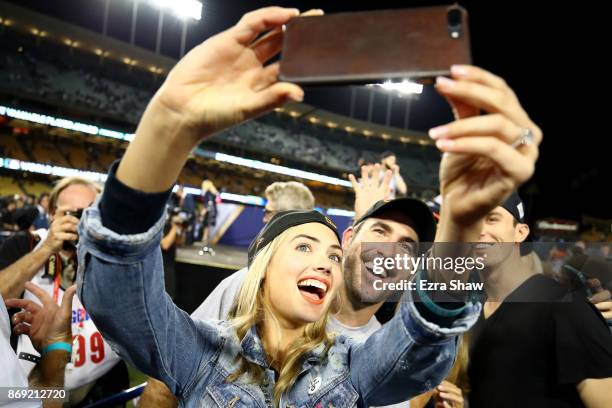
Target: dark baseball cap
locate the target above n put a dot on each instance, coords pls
(514, 205)
(416, 210)
(283, 220)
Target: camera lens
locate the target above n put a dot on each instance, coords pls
(454, 20)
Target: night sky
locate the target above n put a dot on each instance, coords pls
(549, 55)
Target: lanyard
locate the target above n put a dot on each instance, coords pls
(53, 269)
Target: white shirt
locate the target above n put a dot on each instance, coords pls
(92, 356)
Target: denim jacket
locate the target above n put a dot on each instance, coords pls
(121, 284)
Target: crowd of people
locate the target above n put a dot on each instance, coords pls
(21, 212)
(48, 73)
(300, 325)
(316, 150)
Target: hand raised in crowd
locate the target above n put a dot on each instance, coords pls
(47, 323)
(63, 228)
(601, 298)
(448, 395)
(371, 188)
(484, 160)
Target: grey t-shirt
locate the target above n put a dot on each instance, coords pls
(218, 304)
(360, 333)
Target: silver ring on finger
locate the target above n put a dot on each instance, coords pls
(525, 138)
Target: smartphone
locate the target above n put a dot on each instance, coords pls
(374, 46)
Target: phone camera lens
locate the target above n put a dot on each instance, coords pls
(454, 18)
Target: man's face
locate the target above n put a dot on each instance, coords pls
(394, 231)
(499, 232)
(389, 161)
(76, 196)
(269, 211)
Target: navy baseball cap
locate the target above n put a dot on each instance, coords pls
(283, 220)
(416, 210)
(514, 205)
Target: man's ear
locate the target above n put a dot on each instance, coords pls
(521, 232)
(347, 236)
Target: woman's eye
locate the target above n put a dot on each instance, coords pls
(303, 248)
(336, 258)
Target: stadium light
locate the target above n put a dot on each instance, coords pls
(273, 168)
(63, 123)
(183, 9)
(403, 88)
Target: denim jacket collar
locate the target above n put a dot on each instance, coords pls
(253, 351)
(252, 348)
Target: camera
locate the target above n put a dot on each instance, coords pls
(78, 213)
(183, 217)
(71, 245)
(454, 21)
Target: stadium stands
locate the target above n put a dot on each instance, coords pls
(64, 76)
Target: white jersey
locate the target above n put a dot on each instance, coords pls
(92, 357)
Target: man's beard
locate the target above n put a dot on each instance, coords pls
(359, 295)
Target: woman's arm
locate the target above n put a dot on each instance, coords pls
(219, 83)
(121, 285)
(407, 356)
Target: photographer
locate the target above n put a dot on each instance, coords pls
(173, 232)
(209, 197)
(182, 203)
(48, 259)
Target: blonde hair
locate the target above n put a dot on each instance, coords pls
(208, 185)
(289, 195)
(66, 182)
(248, 311)
(458, 372)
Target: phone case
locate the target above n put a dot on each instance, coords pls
(366, 47)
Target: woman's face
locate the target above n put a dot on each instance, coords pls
(304, 275)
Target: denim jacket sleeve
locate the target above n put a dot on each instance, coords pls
(121, 284)
(407, 356)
